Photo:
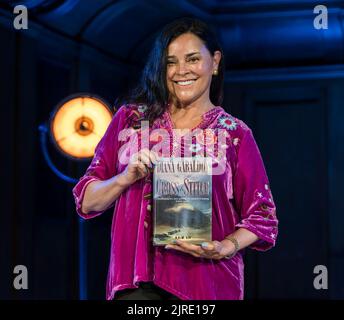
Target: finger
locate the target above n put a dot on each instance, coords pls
(154, 157)
(214, 246)
(213, 249)
(174, 247)
(218, 247)
(184, 244)
(195, 254)
(217, 257)
(143, 169)
(207, 246)
(139, 173)
(139, 158)
(190, 248)
(134, 159)
(143, 157)
(179, 248)
(212, 255)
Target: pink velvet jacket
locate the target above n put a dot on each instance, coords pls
(241, 198)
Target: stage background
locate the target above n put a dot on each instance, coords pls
(284, 78)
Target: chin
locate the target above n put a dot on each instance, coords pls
(185, 101)
(189, 101)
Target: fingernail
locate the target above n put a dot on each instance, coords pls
(204, 244)
(167, 247)
(174, 241)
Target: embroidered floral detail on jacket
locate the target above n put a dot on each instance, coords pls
(136, 116)
(195, 147)
(142, 108)
(136, 113)
(206, 137)
(228, 122)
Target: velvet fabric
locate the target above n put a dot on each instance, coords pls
(241, 198)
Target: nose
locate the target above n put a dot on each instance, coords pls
(182, 69)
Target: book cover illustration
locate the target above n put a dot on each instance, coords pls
(182, 200)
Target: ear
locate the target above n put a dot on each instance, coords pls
(216, 59)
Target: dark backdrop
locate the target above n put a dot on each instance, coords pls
(284, 78)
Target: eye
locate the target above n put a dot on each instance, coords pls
(170, 63)
(194, 59)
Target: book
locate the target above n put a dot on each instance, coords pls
(182, 200)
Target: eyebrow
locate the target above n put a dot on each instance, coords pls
(187, 55)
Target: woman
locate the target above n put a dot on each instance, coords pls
(181, 88)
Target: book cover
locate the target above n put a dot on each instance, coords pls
(182, 200)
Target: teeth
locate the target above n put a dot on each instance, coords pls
(184, 83)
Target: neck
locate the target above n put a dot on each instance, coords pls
(191, 109)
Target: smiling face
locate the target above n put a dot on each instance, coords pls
(190, 69)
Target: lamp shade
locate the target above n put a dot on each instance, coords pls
(78, 124)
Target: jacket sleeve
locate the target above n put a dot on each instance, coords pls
(104, 163)
(252, 194)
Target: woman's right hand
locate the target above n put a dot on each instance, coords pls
(139, 166)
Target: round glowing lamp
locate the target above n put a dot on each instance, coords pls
(76, 127)
(78, 124)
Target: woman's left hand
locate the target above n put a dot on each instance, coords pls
(210, 250)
